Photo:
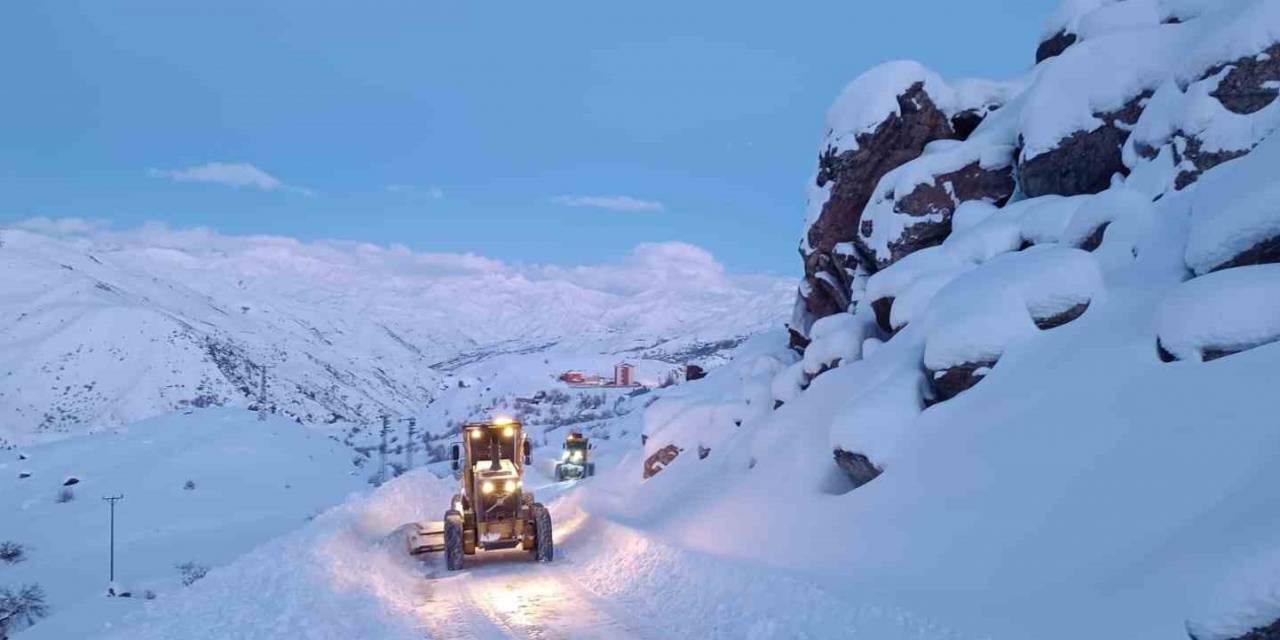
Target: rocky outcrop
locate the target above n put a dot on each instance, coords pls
(1084, 161)
(963, 124)
(1054, 45)
(1251, 84)
(851, 176)
(1189, 150)
(658, 460)
(951, 382)
(858, 467)
(883, 308)
(933, 204)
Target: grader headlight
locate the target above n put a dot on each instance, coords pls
(476, 434)
(508, 432)
(487, 487)
(510, 486)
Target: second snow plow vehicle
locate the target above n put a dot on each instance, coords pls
(493, 511)
(573, 464)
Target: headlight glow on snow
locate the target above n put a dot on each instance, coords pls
(487, 487)
(502, 420)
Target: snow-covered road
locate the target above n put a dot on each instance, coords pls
(505, 595)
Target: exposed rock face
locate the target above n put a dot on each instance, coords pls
(1265, 252)
(940, 199)
(1094, 240)
(658, 460)
(852, 177)
(1249, 86)
(1055, 45)
(966, 122)
(1190, 149)
(949, 383)
(1084, 161)
(859, 468)
(1059, 319)
(883, 308)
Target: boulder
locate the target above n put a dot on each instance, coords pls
(851, 177)
(1061, 318)
(949, 383)
(933, 204)
(883, 308)
(1084, 161)
(966, 122)
(1252, 82)
(658, 460)
(1189, 150)
(853, 174)
(858, 467)
(1054, 45)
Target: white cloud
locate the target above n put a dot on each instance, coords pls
(612, 203)
(232, 174)
(679, 269)
(59, 227)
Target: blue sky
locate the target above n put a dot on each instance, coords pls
(553, 132)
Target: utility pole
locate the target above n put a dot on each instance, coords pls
(409, 443)
(382, 449)
(262, 393)
(111, 589)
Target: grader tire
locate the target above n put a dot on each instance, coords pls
(543, 546)
(453, 540)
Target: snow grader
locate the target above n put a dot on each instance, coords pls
(493, 510)
(573, 463)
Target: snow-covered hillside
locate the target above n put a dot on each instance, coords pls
(101, 328)
(1039, 338)
(203, 486)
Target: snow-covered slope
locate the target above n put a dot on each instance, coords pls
(203, 487)
(1039, 338)
(109, 327)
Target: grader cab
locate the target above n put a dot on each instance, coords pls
(492, 510)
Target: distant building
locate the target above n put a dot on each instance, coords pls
(624, 374)
(573, 377)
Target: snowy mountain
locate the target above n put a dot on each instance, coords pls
(1038, 338)
(102, 328)
(1027, 389)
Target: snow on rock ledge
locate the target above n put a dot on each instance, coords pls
(882, 120)
(1235, 220)
(1221, 314)
(699, 416)
(972, 320)
(913, 204)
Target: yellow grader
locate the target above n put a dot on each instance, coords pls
(492, 509)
